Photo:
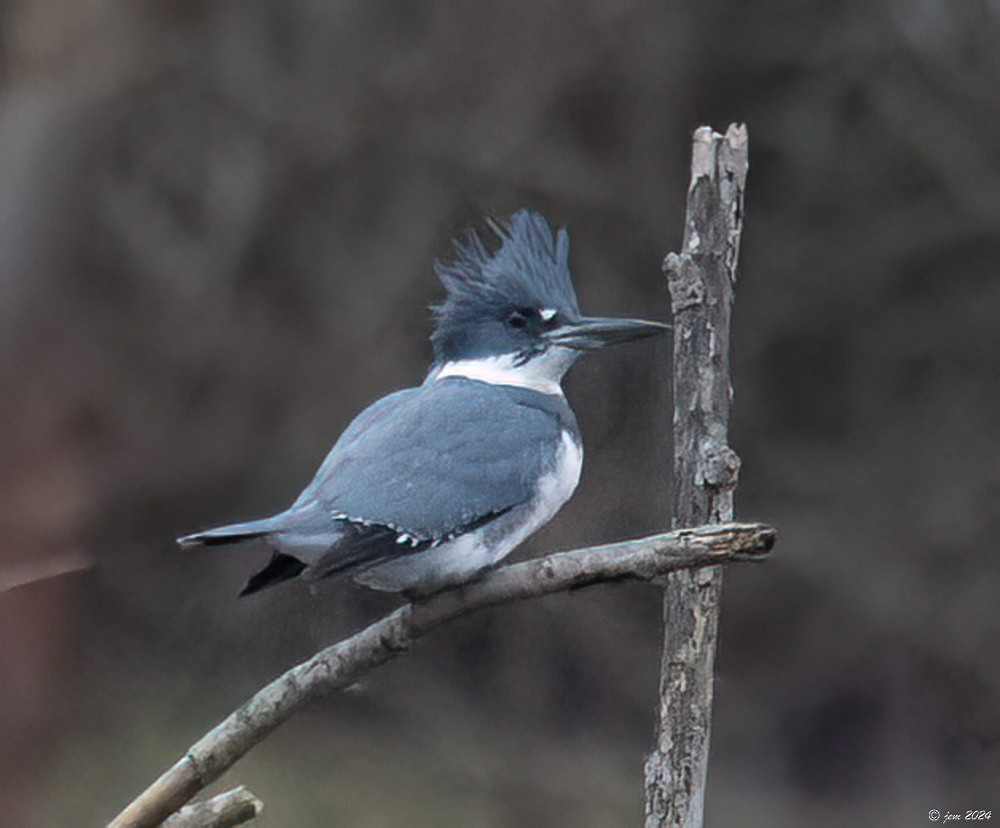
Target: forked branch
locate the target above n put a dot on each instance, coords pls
(342, 664)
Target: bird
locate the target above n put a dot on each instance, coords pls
(432, 486)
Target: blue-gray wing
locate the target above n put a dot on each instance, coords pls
(437, 460)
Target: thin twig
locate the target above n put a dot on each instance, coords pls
(342, 664)
(231, 808)
(14, 576)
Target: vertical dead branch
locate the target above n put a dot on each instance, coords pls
(701, 280)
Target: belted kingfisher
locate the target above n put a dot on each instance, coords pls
(430, 486)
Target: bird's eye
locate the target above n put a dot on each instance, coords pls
(534, 319)
(520, 318)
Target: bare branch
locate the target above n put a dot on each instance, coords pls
(701, 281)
(231, 808)
(342, 664)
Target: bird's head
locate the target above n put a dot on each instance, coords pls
(516, 304)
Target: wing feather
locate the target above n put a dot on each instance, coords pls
(433, 461)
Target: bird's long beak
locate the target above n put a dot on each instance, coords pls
(593, 332)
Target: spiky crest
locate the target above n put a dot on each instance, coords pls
(530, 269)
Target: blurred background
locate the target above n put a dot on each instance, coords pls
(217, 226)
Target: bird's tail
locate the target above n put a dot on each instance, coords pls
(281, 568)
(225, 535)
(299, 545)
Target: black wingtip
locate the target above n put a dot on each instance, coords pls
(280, 568)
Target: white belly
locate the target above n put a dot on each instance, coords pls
(468, 555)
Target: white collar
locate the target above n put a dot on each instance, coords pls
(541, 373)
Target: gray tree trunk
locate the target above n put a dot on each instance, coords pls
(701, 280)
